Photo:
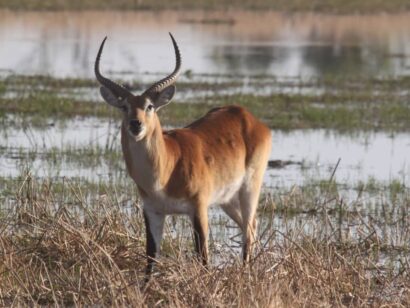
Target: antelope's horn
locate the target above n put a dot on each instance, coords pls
(117, 89)
(170, 79)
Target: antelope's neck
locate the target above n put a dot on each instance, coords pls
(149, 161)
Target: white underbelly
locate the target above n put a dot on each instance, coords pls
(161, 203)
(224, 194)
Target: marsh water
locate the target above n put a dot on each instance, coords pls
(215, 45)
(234, 43)
(311, 154)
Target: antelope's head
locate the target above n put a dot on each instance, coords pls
(139, 111)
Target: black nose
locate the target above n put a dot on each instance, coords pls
(135, 126)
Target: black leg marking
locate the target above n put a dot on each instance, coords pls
(245, 253)
(200, 240)
(151, 247)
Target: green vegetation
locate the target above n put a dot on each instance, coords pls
(344, 104)
(278, 111)
(45, 105)
(333, 6)
(41, 81)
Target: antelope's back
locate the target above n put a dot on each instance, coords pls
(233, 127)
(232, 140)
(216, 151)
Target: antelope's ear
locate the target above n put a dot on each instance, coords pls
(164, 97)
(110, 98)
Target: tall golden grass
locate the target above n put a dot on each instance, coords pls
(60, 246)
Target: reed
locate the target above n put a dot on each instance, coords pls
(62, 246)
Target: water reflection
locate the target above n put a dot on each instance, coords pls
(327, 60)
(244, 58)
(65, 43)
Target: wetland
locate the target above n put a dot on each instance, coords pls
(334, 212)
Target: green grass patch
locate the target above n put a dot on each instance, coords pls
(340, 103)
(45, 80)
(44, 105)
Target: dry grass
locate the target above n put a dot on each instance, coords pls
(64, 247)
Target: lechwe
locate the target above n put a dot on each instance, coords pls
(218, 159)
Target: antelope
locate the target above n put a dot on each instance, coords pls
(219, 159)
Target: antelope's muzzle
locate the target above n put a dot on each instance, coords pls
(135, 127)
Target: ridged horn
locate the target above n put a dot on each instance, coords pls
(170, 79)
(118, 90)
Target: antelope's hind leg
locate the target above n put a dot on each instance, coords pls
(154, 225)
(249, 198)
(233, 210)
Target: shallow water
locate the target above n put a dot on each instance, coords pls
(379, 156)
(245, 43)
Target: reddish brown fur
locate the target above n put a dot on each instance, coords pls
(192, 163)
(218, 159)
(213, 150)
(207, 153)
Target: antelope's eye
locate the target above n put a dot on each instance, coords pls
(150, 107)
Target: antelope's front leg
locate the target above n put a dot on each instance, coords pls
(200, 224)
(154, 224)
